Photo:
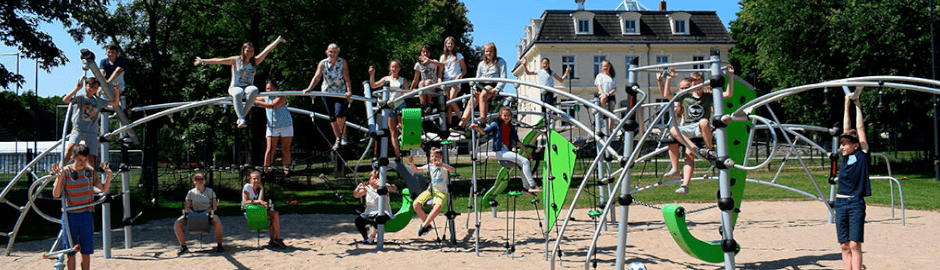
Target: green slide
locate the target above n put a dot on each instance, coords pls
(737, 145)
(502, 177)
(404, 214)
(562, 156)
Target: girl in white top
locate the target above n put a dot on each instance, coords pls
(426, 73)
(372, 204)
(454, 69)
(253, 193)
(546, 77)
(395, 83)
(243, 76)
(606, 85)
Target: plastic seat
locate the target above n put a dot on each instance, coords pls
(257, 217)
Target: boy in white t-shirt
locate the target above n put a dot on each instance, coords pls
(437, 190)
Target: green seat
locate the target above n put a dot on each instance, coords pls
(404, 214)
(411, 129)
(257, 217)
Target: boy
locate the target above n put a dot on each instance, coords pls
(77, 181)
(437, 190)
(696, 110)
(854, 186)
(85, 120)
(253, 193)
(200, 199)
(114, 67)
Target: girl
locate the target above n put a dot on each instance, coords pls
(606, 85)
(280, 128)
(253, 193)
(426, 73)
(395, 83)
(454, 69)
(243, 76)
(504, 135)
(335, 80)
(372, 206)
(492, 66)
(546, 77)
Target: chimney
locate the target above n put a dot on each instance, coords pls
(662, 5)
(580, 4)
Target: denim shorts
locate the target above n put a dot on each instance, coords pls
(850, 219)
(82, 229)
(336, 107)
(396, 112)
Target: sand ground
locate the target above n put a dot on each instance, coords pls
(772, 235)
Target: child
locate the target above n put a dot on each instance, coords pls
(395, 83)
(243, 76)
(696, 110)
(454, 69)
(280, 128)
(77, 180)
(335, 75)
(504, 135)
(253, 193)
(427, 72)
(114, 67)
(546, 77)
(372, 206)
(200, 199)
(437, 190)
(492, 66)
(854, 186)
(606, 85)
(85, 122)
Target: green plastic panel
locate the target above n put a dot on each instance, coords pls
(404, 214)
(411, 129)
(257, 217)
(737, 132)
(562, 156)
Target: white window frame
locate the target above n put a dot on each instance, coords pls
(580, 16)
(678, 19)
(698, 58)
(629, 17)
(573, 64)
(658, 57)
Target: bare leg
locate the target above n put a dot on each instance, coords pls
(689, 167)
(269, 152)
(86, 261)
(706, 132)
(341, 122)
(71, 262)
(674, 150)
(468, 112)
(483, 105)
(418, 210)
(218, 231)
(275, 224)
(68, 153)
(434, 211)
(285, 151)
(393, 128)
(846, 255)
(91, 161)
(178, 229)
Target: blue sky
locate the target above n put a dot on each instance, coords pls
(499, 21)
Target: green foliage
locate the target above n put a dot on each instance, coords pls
(790, 43)
(29, 117)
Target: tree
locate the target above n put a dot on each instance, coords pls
(19, 20)
(788, 43)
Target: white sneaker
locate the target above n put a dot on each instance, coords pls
(241, 123)
(336, 145)
(674, 174)
(343, 142)
(684, 190)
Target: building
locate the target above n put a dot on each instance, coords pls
(582, 39)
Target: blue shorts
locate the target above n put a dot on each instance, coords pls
(335, 107)
(82, 228)
(396, 112)
(91, 140)
(850, 219)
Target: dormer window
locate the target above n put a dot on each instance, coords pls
(583, 22)
(630, 23)
(679, 23)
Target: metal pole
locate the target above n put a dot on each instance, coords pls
(625, 188)
(126, 186)
(601, 189)
(724, 181)
(105, 207)
(933, 75)
(383, 158)
(473, 161)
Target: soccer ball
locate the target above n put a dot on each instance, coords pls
(637, 266)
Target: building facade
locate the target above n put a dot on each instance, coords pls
(582, 39)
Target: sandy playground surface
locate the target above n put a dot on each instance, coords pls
(772, 235)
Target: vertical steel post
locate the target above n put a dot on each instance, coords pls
(625, 187)
(724, 182)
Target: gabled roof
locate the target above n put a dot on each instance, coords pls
(704, 27)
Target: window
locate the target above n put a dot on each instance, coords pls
(583, 22)
(627, 61)
(662, 59)
(698, 58)
(598, 61)
(566, 63)
(663, 122)
(680, 27)
(679, 22)
(584, 26)
(629, 27)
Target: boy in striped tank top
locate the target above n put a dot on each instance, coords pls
(77, 180)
